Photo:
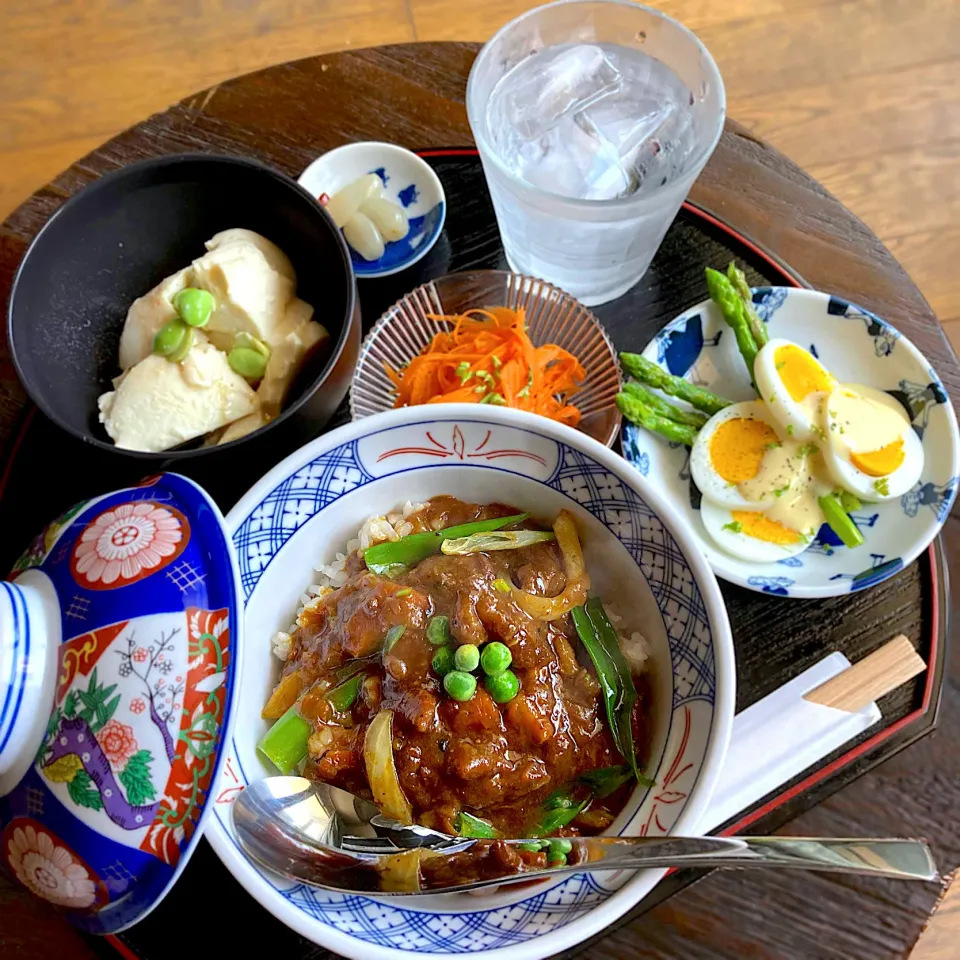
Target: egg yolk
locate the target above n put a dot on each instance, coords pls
(761, 527)
(737, 448)
(800, 373)
(882, 462)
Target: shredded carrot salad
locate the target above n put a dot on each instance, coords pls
(487, 357)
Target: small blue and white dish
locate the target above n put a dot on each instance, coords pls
(857, 347)
(119, 625)
(408, 181)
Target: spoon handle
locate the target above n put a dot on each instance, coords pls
(895, 858)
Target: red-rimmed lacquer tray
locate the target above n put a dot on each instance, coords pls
(775, 639)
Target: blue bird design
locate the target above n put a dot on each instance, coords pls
(679, 348)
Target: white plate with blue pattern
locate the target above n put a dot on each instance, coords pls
(858, 347)
(408, 180)
(637, 549)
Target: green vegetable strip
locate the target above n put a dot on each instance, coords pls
(655, 376)
(731, 306)
(627, 689)
(606, 780)
(475, 828)
(664, 408)
(343, 696)
(606, 672)
(395, 556)
(839, 522)
(849, 501)
(393, 635)
(636, 411)
(559, 810)
(758, 328)
(285, 743)
(497, 540)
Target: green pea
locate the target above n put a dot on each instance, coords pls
(169, 337)
(250, 364)
(496, 657)
(442, 662)
(185, 344)
(194, 306)
(248, 341)
(503, 687)
(438, 631)
(461, 686)
(467, 657)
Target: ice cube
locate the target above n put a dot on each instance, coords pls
(553, 83)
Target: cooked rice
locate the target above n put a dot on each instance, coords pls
(393, 526)
(333, 575)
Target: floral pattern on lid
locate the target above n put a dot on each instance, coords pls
(128, 542)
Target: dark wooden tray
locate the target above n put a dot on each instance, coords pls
(775, 639)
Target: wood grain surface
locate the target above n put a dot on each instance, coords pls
(417, 92)
(861, 93)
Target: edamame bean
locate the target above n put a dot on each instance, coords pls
(194, 306)
(169, 337)
(503, 687)
(185, 344)
(461, 686)
(250, 364)
(496, 657)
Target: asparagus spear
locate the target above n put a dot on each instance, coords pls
(723, 294)
(655, 376)
(739, 280)
(636, 411)
(664, 408)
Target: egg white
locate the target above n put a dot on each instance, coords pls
(836, 454)
(715, 517)
(800, 420)
(710, 484)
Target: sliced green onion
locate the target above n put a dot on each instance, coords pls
(405, 592)
(501, 585)
(475, 828)
(285, 743)
(502, 540)
(396, 556)
(840, 523)
(393, 635)
(343, 696)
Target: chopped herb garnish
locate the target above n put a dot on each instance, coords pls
(496, 361)
(463, 371)
(809, 450)
(781, 364)
(481, 389)
(735, 526)
(773, 444)
(495, 399)
(790, 429)
(780, 491)
(882, 486)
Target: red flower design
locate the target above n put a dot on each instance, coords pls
(118, 743)
(137, 706)
(140, 654)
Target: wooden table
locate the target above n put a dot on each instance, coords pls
(414, 95)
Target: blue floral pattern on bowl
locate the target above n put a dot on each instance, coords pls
(858, 347)
(296, 510)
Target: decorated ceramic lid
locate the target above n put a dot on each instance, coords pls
(118, 627)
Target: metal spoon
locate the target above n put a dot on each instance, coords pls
(326, 837)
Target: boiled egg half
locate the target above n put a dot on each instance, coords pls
(793, 383)
(870, 448)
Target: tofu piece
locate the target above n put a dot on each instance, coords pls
(295, 337)
(147, 314)
(158, 404)
(243, 426)
(251, 296)
(277, 259)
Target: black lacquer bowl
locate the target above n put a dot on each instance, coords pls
(119, 237)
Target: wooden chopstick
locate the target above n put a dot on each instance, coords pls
(872, 677)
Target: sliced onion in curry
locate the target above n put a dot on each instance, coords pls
(578, 581)
(382, 771)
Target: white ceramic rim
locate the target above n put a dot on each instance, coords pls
(429, 174)
(249, 876)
